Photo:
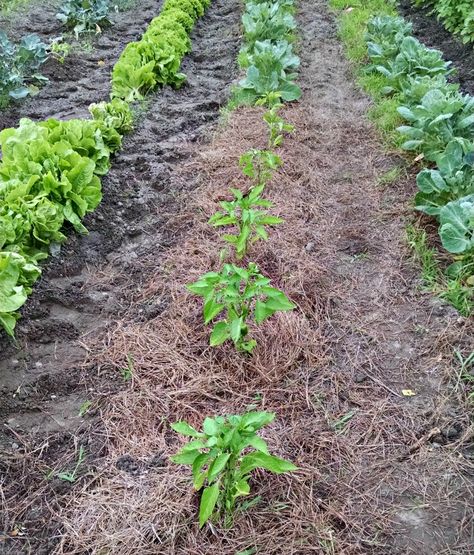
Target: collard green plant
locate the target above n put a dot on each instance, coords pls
(223, 457)
(267, 75)
(439, 119)
(246, 215)
(453, 178)
(268, 21)
(19, 67)
(85, 15)
(413, 59)
(457, 225)
(239, 295)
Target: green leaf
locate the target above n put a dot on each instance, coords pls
(268, 462)
(185, 429)
(211, 427)
(211, 310)
(208, 502)
(220, 334)
(217, 466)
(187, 458)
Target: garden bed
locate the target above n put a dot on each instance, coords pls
(380, 472)
(432, 33)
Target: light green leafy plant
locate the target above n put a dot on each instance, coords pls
(277, 126)
(259, 165)
(244, 213)
(457, 225)
(439, 119)
(240, 295)
(453, 178)
(223, 457)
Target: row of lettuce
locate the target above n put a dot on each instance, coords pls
(50, 172)
(237, 297)
(456, 15)
(439, 128)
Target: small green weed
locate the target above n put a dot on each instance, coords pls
(72, 476)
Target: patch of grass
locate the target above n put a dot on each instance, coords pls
(425, 255)
(391, 176)
(386, 118)
(353, 23)
(455, 288)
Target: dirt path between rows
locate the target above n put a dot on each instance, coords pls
(84, 289)
(84, 77)
(380, 473)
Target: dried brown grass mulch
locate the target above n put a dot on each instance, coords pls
(349, 493)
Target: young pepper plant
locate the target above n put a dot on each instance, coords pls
(222, 458)
(243, 213)
(240, 295)
(259, 165)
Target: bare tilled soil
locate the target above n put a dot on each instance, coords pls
(379, 472)
(84, 77)
(431, 32)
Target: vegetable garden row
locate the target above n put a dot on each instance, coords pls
(456, 15)
(413, 84)
(50, 171)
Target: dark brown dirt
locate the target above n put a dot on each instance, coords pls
(43, 380)
(431, 32)
(84, 77)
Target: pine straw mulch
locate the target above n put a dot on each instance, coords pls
(354, 476)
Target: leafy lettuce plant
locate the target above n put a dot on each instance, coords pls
(115, 114)
(223, 457)
(156, 58)
(15, 275)
(19, 67)
(245, 214)
(49, 174)
(240, 295)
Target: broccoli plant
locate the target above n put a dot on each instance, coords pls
(244, 213)
(84, 15)
(19, 67)
(223, 457)
(240, 295)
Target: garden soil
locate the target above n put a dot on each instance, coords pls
(432, 33)
(362, 375)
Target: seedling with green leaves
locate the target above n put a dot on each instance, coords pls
(244, 213)
(72, 476)
(277, 126)
(240, 295)
(259, 165)
(223, 457)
